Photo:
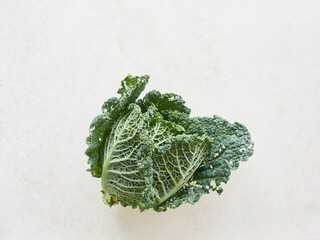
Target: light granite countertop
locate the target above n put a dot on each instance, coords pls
(254, 62)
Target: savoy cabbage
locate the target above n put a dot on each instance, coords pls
(150, 154)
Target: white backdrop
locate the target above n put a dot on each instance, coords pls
(256, 62)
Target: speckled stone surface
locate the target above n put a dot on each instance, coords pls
(255, 62)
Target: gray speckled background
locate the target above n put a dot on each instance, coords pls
(256, 62)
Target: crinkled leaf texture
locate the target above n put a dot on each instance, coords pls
(150, 154)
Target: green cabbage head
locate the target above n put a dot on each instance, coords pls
(149, 153)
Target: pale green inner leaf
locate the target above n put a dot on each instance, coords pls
(174, 157)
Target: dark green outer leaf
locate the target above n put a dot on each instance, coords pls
(163, 102)
(232, 144)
